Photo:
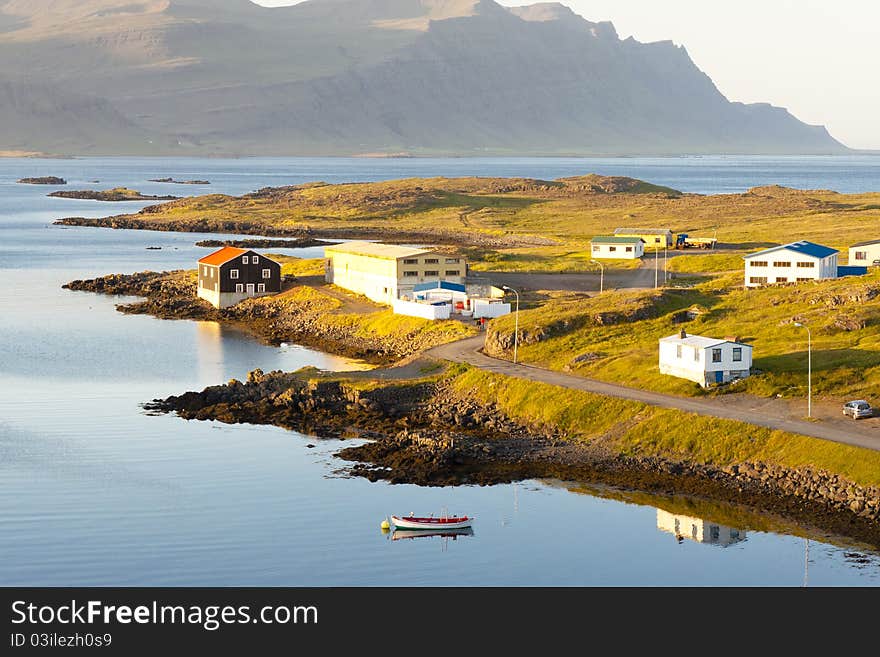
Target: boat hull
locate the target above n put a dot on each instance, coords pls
(431, 524)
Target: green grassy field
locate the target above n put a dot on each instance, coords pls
(620, 330)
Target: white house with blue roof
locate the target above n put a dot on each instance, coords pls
(790, 263)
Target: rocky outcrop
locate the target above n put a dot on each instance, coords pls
(45, 180)
(299, 243)
(308, 319)
(117, 194)
(426, 434)
(180, 182)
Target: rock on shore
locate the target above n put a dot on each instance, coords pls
(45, 180)
(423, 433)
(180, 182)
(116, 194)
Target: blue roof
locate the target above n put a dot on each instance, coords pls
(807, 248)
(851, 271)
(440, 285)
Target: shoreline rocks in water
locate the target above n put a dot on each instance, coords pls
(180, 182)
(299, 243)
(45, 180)
(304, 318)
(424, 433)
(116, 194)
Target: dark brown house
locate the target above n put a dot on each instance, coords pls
(231, 275)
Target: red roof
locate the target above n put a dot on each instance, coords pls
(222, 256)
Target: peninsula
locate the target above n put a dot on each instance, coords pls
(442, 416)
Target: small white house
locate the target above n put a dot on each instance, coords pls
(790, 263)
(866, 254)
(615, 246)
(707, 361)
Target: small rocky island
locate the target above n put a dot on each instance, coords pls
(115, 194)
(45, 180)
(299, 243)
(172, 181)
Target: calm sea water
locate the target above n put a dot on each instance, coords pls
(93, 491)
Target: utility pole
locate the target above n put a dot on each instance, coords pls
(515, 321)
(656, 270)
(601, 275)
(809, 368)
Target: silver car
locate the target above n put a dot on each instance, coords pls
(858, 409)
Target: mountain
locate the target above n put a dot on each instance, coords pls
(360, 76)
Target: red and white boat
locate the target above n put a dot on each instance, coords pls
(431, 523)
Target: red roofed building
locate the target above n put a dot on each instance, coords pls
(231, 275)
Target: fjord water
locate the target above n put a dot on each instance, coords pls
(95, 492)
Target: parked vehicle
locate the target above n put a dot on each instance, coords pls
(858, 409)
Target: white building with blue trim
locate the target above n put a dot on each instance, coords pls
(791, 263)
(707, 361)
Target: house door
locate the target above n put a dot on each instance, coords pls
(250, 289)
(719, 377)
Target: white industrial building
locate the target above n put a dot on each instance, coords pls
(707, 361)
(617, 247)
(790, 263)
(866, 254)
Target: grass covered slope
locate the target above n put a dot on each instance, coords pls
(633, 429)
(613, 336)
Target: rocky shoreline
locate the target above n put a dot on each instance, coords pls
(305, 320)
(424, 433)
(142, 221)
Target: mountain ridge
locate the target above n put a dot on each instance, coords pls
(341, 77)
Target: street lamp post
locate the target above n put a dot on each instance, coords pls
(601, 275)
(809, 368)
(515, 321)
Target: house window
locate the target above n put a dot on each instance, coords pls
(678, 351)
(758, 263)
(410, 274)
(267, 273)
(451, 261)
(261, 287)
(255, 259)
(782, 263)
(781, 279)
(204, 271)
(596, 249)
(656, 240)
(432, 261)
(758, 280)
(809, 265)
(629, 249)
(233, 273)
(452, 272)
(861, 255)
(244, 260)
(612, 248)
(239, 287)
(714, 532)
(737, 354)
(696, 355)
(716, 355)
(411, 261)
(803, 280)
(432, 272)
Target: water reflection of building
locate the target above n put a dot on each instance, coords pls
(209, 347)
(698, 529)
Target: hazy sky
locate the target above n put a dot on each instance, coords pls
(818, 58)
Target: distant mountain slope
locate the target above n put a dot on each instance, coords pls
(358, 76)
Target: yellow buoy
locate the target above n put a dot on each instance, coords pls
(385, 525)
